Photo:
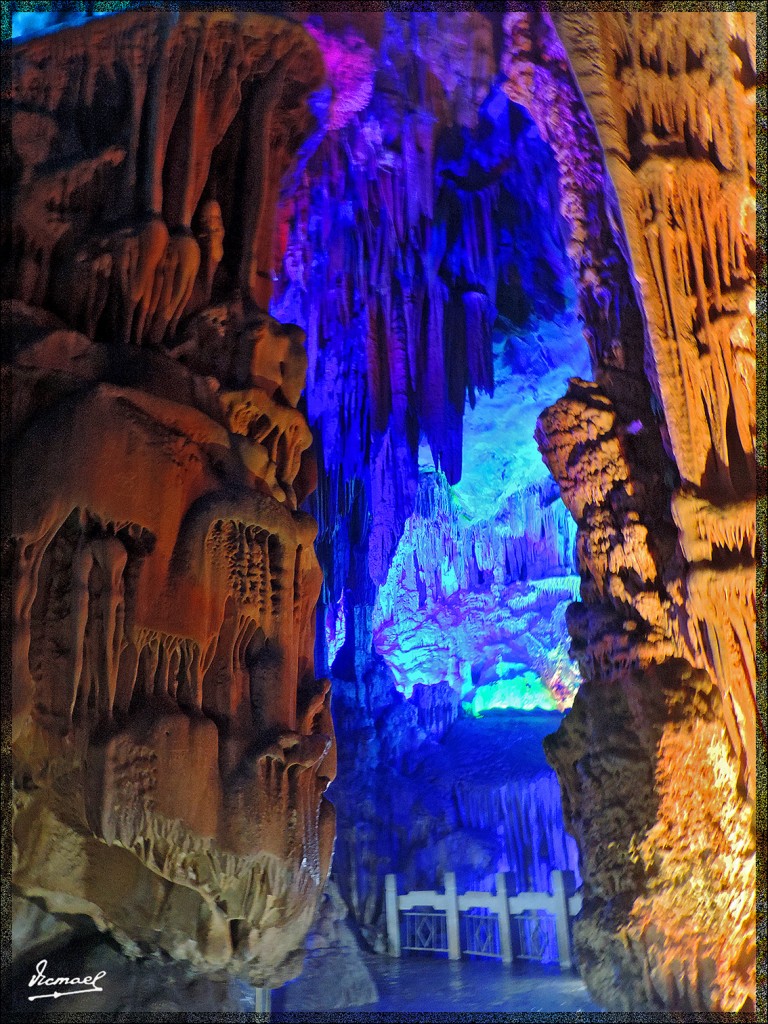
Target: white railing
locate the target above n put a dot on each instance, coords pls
(432, 920)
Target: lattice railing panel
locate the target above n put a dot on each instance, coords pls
(424, 930)
(534, 936)
(480, 933)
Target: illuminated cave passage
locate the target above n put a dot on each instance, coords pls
(473, 300)
(470, 616)
(381, 422)
(476, 594)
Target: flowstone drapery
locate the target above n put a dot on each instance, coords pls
(171, 743)
(656, 462)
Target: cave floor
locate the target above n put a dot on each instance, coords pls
(419, 985)
(424, 985)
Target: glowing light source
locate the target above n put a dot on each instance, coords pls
(523, 692)
(25, 24)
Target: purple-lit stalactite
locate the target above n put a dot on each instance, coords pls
(415, 223)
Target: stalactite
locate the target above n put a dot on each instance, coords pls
(163, 583)
(671, 110)
(407, 274)
(178, 86)
(393, 350)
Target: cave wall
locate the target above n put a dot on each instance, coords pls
(171, 742)
(655, 460)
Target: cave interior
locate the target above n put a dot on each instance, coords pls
(379, 408)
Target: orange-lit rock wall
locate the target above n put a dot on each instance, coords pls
(673, 100)
(651, 117)
(171, 743)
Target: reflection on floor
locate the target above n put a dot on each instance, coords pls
(415, 984)
(426, 985)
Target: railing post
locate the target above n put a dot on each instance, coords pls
(452, 916)
(562, 923)
(505, 925)
(393, 915)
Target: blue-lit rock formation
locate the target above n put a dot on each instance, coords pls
(479, 584)
(471, 618)
(417, 221)
(425, 259)
(421, 791)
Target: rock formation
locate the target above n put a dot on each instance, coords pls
(166, 171)
(676, 122)
(481, 578)
(420, 793)
(144, 986)
(334, 976)
(389, 267)
(171, 743)
(657, 759)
